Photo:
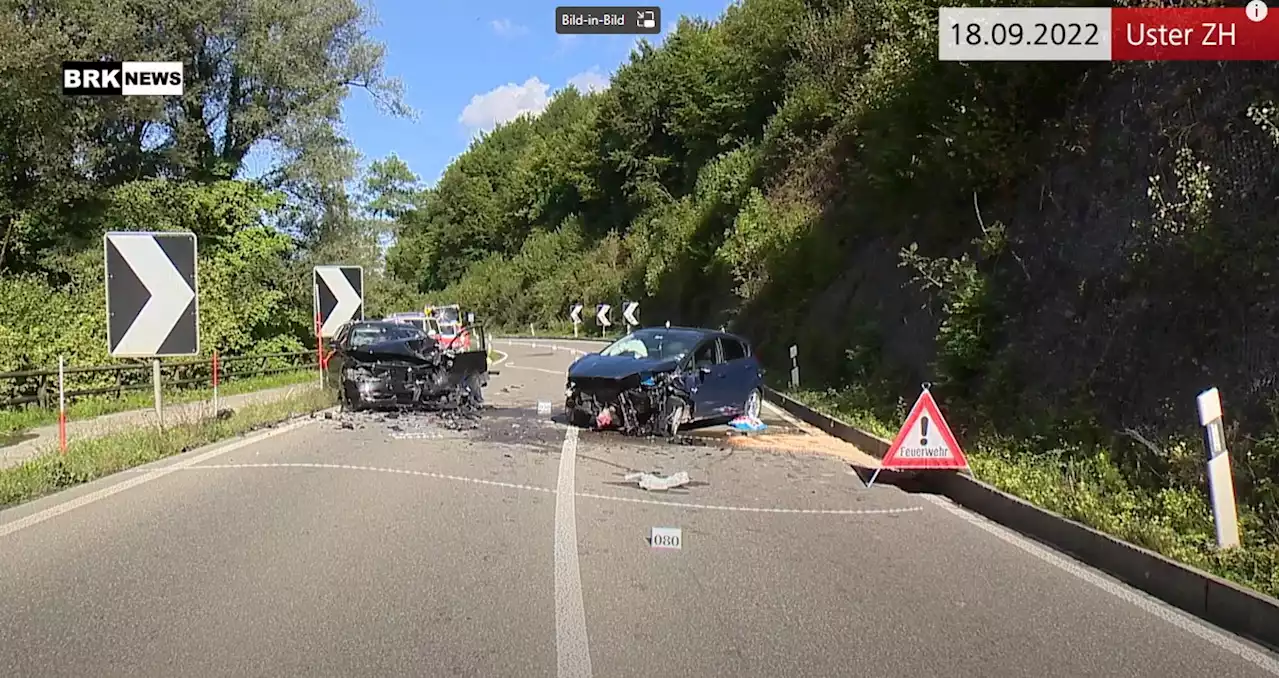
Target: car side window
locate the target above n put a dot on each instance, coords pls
(705, 355)
(732, 349)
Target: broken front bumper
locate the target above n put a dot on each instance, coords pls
(633, 405)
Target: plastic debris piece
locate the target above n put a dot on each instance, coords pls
(605, 418)
(649, 481)
(748, 424)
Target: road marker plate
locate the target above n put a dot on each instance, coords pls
(665, 538)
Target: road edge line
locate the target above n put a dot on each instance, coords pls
(218, 449)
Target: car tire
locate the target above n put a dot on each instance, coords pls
(751, 407)
(673, 414)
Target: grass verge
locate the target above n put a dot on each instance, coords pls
(89, 459)
(87, 407)
(1175, 522)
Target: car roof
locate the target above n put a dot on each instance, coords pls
(705, 332)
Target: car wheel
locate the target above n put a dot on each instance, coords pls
(673, 416)
(752, 408)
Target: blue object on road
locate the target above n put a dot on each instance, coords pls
(748, 424)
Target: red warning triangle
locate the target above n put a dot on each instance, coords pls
(925, 441)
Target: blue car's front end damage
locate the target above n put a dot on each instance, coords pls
(632, 395)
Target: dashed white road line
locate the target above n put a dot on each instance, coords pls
(1159, 610)
(147, 476)
(573, 655)
(558, 373)
(584, 495)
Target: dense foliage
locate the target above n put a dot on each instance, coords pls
(259, 74)
(1069, 252)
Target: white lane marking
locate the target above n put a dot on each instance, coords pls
(573, 655)
(148, 476)
(499, 360)
(535, 488)
(558, 373)
(754, 509)
(378, 469)
(1161, 611)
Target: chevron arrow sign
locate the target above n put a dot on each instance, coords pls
(339, 296)
(153, 310)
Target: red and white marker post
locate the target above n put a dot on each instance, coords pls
(215, 382)
(62, 405)
(924, 443)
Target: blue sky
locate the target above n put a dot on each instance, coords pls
(467, 66)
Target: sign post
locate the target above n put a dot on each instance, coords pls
(924, 443)
(153, 307)
(1222, 492)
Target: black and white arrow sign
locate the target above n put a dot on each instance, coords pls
(602, 317)
(575, 314)
(152, 307)
(629, 312)
(339, 295)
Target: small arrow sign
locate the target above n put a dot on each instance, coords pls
(575, 314)
(339, 296)
(925, 441)
(152, 305)
(603, 315)
(629, 312)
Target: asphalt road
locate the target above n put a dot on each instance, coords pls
(403, 547)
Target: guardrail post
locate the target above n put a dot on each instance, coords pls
(1222, 493)
(42, 392)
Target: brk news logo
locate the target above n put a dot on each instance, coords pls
(122, 78)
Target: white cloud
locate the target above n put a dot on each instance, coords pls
(504, 104)
(590, 81)
(507, 28)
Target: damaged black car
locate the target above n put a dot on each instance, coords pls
(655, 380)
(379, 364)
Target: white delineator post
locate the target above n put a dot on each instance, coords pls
(795, 368)
(62, 405)
(1222, 494)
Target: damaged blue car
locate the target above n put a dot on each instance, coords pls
(657, 379)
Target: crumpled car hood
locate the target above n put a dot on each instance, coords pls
(408, 350)
(616, 367)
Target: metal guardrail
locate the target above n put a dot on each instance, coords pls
(41, 386)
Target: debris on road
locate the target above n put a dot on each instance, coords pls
(544, 407)
(649, 481)
(412, 424)
(746, 424)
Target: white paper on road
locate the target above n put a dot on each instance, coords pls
(650, 481)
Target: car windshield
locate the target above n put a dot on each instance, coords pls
(659, 344)
(363, 335)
